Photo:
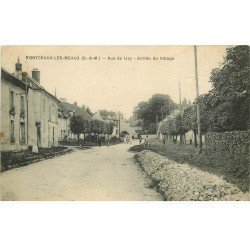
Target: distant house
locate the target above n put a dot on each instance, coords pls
(63, 124)
(120, 124)
(114, 119)
(65, 112)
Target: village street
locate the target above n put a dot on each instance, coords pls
(105, 173)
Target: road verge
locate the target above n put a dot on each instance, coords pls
(10, 160)
(181, 182)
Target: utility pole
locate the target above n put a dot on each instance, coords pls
(197, 104)
(169, 109)
(180, 96)
(119, 125)
(156, 123)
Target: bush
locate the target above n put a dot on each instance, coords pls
(233, 143)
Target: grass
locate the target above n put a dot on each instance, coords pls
(88, 143)
(233, 169)
(12, 159)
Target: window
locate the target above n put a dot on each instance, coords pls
(11, 98)
(22, 105)
(50, 112)
(22, 132)
(22, 102)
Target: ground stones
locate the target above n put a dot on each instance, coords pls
(182, 182)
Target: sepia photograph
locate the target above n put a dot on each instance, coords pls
(125, 123)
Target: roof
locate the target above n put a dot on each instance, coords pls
(20, 83)
(68, 107)
(10, 77)
(98, 116)
(38, 87)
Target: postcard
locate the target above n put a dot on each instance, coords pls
(124, 123)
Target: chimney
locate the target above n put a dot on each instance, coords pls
(18, 65)
(36, 75)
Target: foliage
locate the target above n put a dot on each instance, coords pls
(105, 113)
(97, 126)
(231, 143)
(89, 111)
(123, 133)
(225, 107)
(174, 126)
(157, 107)
(77, 125)
(190, 118)
(108, 128)
(228, 101)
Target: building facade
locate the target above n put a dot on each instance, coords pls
(63, 125)
(29, 113)
(43, 118)
(13, 112)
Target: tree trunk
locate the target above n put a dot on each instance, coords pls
(181, 139)
(195, 138)
(78, 137)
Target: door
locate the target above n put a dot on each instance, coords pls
(53, 135)
(38, 128)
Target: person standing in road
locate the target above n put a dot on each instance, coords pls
(99, 140)
(146, 143)
(108, 140)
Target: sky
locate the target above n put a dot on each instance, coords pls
(117, 85)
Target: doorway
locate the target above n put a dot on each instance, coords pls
(38, 129)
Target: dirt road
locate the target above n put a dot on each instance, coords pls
(105, 173)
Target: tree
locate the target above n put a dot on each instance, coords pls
(156, 108)
(184, 104)
(104, 113)
(108, 128)
(229, 100)
(89, 111)
(85, 126)
(77, 125)
(179, 127)
(190, 121)
(123, 133)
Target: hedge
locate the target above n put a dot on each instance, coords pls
(233, 143)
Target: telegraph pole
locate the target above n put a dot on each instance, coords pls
(119, 125)
(180, 95)
(156, 123)
(197, 104)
